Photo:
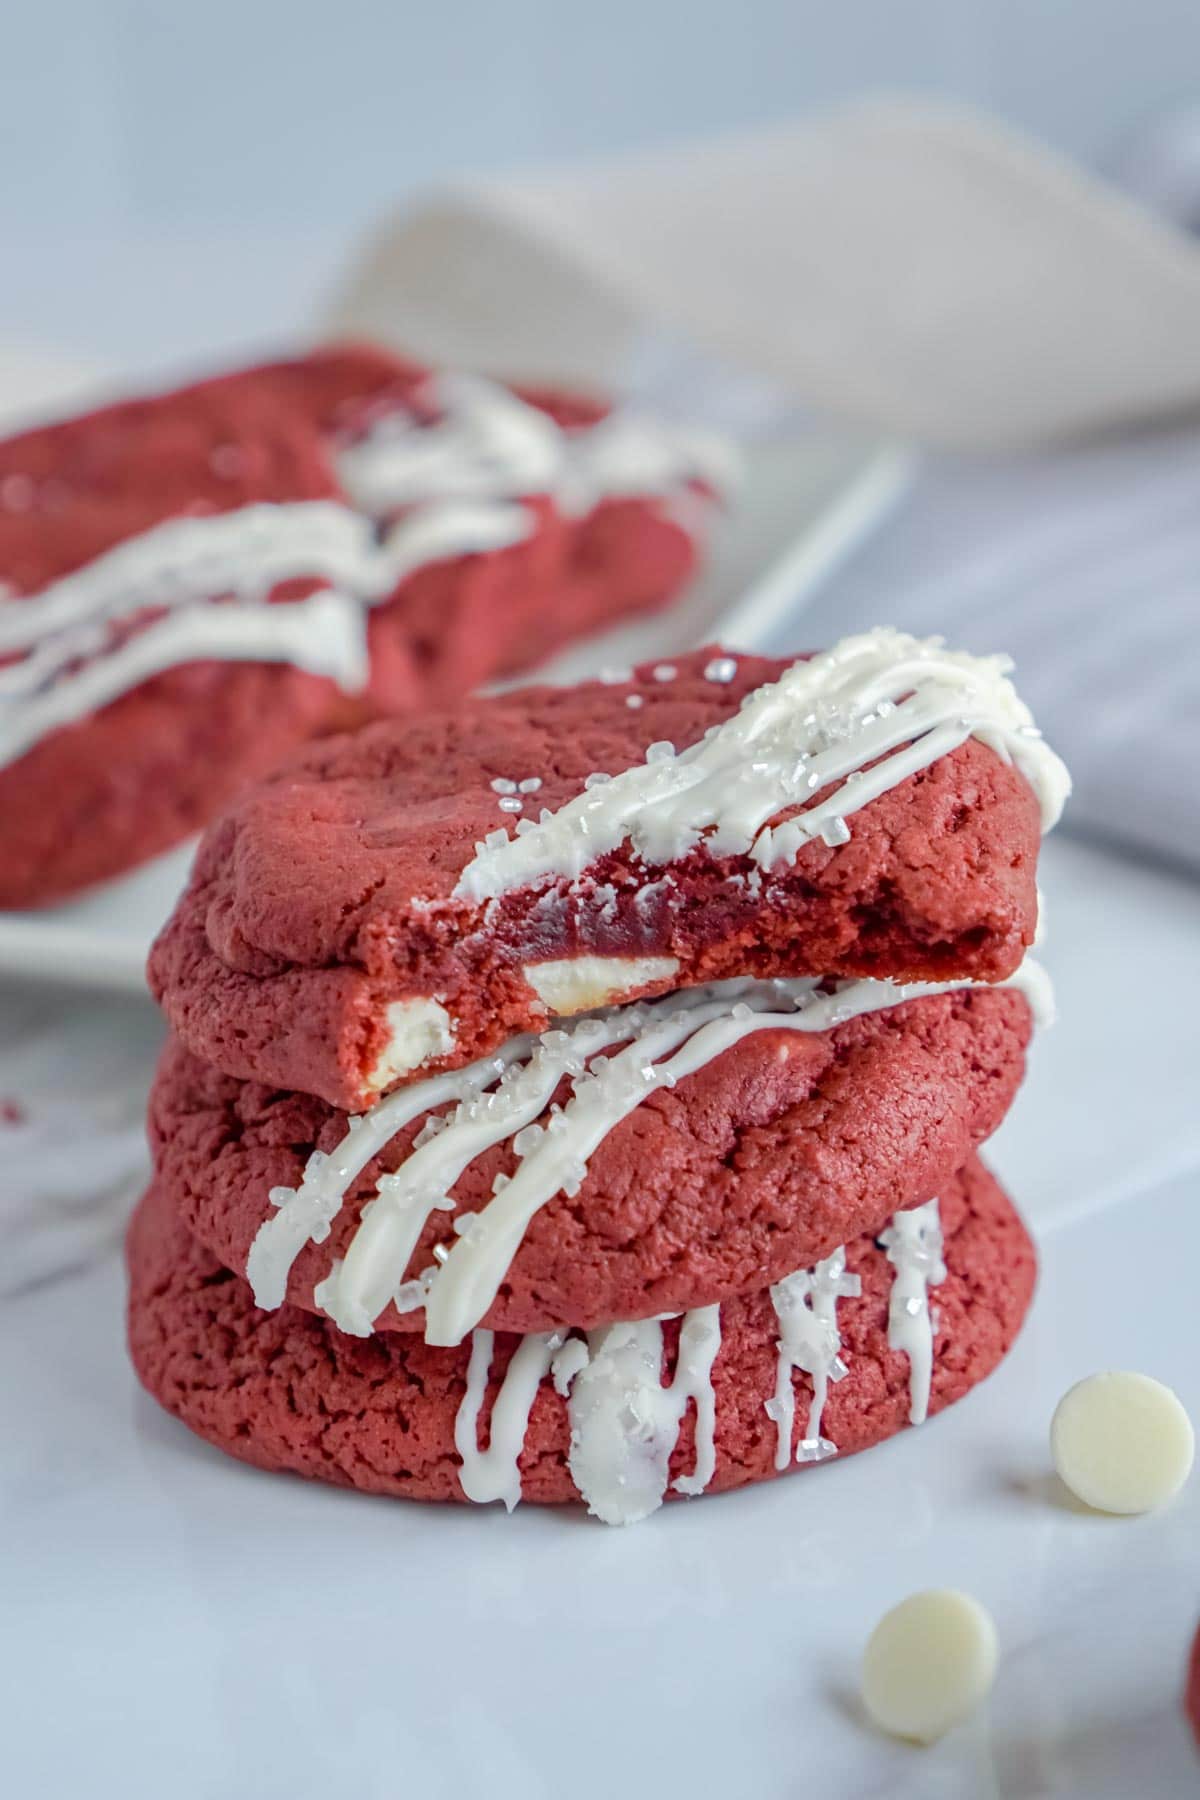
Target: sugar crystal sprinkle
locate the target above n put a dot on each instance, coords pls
(502, 785)
(664, 671)
(530, 785)
(633, 700)
(721, 668)
(511, 803)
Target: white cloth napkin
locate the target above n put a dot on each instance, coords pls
(913, 267)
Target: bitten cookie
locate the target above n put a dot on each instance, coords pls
(408, 899)
(725, 1396)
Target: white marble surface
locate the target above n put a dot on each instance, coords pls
(174, 1622)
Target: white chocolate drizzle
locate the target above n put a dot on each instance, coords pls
(456, 486)
(806, 1307)
(501, 1099)
(486, 443)
(882, 698)
(913, 1242)
(625, 1423)
(494, 1473)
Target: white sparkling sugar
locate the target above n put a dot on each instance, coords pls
(455, 481)
(664, 1040)
(806, 1307)
(625, 1423)
(913, 1242)
(884, 698)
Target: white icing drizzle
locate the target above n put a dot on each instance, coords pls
(379, 1252)
(305, 1214)
(913, 1242)
(322, 635)
(500, 1098)
(212, 576)
(486, 443)
(882, 697)
(456, 482)
(247, 552)
(494, 1473)
(806, 1306)
(625, 1423)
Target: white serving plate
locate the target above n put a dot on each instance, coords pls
(803, 507)
(175, 1623)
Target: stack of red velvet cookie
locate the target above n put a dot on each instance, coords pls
(576, 1095)
(193, 584)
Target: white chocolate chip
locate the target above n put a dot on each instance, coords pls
(418, 1030)
(1122, 1442)
(928, 1664)
(577, 983)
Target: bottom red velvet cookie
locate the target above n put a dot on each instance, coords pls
(653, 1407)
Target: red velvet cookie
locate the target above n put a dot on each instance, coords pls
(760, 1162)
(346, 927)
(284, 1391)
(143, 677)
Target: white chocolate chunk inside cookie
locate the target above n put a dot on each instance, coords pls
(1122, 1442)
(928, 1663)
(578, 983)
(418, 1030)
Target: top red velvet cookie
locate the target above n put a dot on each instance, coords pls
(410, 898)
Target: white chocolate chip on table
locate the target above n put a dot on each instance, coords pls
(1122, 1442)
(928, 1664)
